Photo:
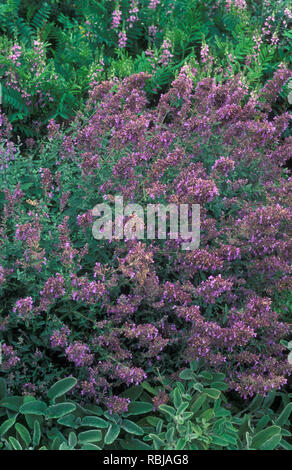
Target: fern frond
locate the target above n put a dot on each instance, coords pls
(23, 30)
(12, 98)
(41, 17)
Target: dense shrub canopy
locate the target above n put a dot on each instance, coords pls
(114, 312)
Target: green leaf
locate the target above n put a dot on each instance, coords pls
(285, 445)
(36, 433)
(206, 375)
(90, 446)
(96, 410)
(199, 402)
(30, 420)
(148, 388)
(263, 422)
(256, 403)
(134, 444)
(68, 420)
(219, 385)
(194, 366)
(153, 420)
(187, 374)
(207, 414)
(177, 398)
(133, 392)
(283, 418)
(158, 443)
(213, 393)
(138, 408)
(56, 442)
(182, 407)
(220, 441)
(218, 377)
(181, 443)
(132, 428)
(28, 398)
(65, 446)
(61, 387)
(187, 415)
(263, 437)
(15, 444)
(95, 422)
(12, 403)
(272, 443)
(169, 435)
(34, 408)
(61, 409)
(6, 426)
(199, 387)
(72, 439)
(24, 433)
(167, 409)
(112, 434)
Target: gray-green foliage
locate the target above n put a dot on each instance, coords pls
(27, 423)
(197, 416)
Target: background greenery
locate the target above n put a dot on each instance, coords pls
(79, 46)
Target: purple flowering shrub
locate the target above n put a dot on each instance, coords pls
(116, 312)
(51, 53)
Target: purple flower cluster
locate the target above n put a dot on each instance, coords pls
(47, 182)
(117, 405)
(87, 291)
(59, 338)
(153, 4)
(213, 287)
(9, 357)
(130, 375)
(52, 290)
(116, 18)
(79, 353)
(122, 40)
(223, 166)
(24, 307)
